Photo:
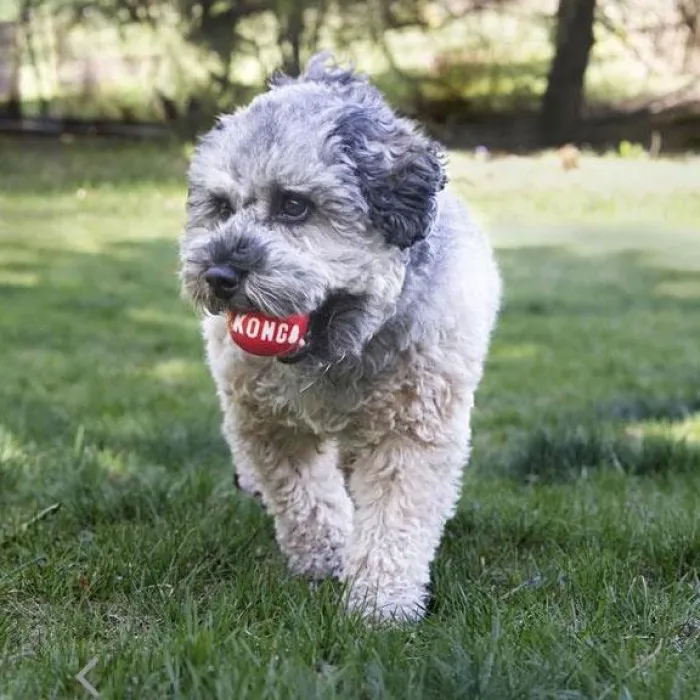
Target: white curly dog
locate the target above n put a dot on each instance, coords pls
(317, 199)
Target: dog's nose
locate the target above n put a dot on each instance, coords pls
(223, 280)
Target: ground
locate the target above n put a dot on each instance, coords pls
(571, 568)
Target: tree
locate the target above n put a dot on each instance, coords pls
(298, 28)
(563, 99)
(689, 11)
(10, 66)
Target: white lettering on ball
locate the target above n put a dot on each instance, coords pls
(237, 326)
(253, 328)
(282, 331)
(268, 330)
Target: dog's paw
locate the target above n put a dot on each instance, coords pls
(317, 563)
(314, 547)
(392, 604)
(248, 486)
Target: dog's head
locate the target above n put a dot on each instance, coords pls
(309, 201)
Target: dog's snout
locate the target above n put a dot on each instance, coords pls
(223, 280)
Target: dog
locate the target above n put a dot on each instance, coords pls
(317, 198)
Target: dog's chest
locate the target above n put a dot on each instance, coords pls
(276, 393)
(311, 402)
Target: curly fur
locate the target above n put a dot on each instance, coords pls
(357, 449)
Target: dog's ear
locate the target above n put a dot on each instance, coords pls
(401, 171)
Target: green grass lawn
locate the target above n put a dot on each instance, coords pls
(572, 567)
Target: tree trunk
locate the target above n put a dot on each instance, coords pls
(13, 106)
(290, 16)
(561, 106)
(11, 66)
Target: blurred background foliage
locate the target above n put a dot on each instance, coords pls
(511, 73)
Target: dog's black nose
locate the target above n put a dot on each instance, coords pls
(223, 281)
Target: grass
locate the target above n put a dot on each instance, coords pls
(571, 568)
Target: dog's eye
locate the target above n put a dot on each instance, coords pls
(222, 208)
(294, 207)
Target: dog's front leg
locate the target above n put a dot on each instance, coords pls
(302, 488)
(404, 493)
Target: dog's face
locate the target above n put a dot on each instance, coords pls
(308, 201)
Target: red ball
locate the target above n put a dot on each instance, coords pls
(259, 334)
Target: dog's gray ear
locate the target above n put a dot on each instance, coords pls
(401, 171)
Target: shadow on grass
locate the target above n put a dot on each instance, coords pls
(561, 455)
